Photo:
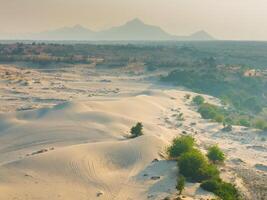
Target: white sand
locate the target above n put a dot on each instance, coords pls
(83, 135)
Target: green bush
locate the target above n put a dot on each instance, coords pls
(137, 130)
(228, 121)
(180, 184)
(190, 163)
(215, 154)
(219, 118)
(244, 122)
(211, 185)
(208, 111)
(180, 145)
(198, 100)
(196, 167)
(260, 124)
(229, 118)
(241, 93)
(226, 191)
(207, 172)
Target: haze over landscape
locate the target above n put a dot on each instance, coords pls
(226, 20)
(134, 30)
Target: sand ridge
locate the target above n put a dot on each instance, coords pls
(88, 151)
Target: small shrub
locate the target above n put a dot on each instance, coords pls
(137, 130)
(190, 164)
(180, 184)
(226, 191)
(228, 121)
(167, 198)
(244, 122)
(187, 96)
(227, 128)
(208, 111)
(195, 166)
(260, 124)
(198, 100)
(215, 154)
(180, 117)
(219, 118)
(207, 172)
(180, 145)
(211, 185)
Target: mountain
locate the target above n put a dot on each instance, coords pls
(77, 32)
(133, 30)
(201, 35)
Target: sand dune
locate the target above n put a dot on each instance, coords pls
(88, 153)
(77, 145)
(84, 171)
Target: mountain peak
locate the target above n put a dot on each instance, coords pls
(78, 27)
(202, 35)
(135, 21)
(134, 29)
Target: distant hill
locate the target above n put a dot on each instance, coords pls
(201, 35)
(67, 33)
(134, 30)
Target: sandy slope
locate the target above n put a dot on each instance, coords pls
(107, 164)
(88, 153)
(75, 145)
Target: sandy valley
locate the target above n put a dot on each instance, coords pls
(63, 135)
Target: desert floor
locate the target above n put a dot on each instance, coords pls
(64, 135)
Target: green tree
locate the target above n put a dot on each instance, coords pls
(215, 154)
(180, 184)
(180, 145)
(137, 130)
(228, 121)
(261, 124)
(207, 172)
(198, 100)
(208, 111)
(219, 118)
(244, 122)
(190, 164)
(226, 191)
(195, 166)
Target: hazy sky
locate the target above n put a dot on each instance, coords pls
(224, 19)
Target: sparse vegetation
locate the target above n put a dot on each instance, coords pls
(180, 145)
(242, 93)
(180, 117)
(229, 117)
(244, 122)
(218, 70)
(198, 100)
(180, 184)
(209, 111)
(187, 96)
(215, 154)
(195, 166)
(137, 130)
(213, 68)
(261, 124)
(226, 191)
